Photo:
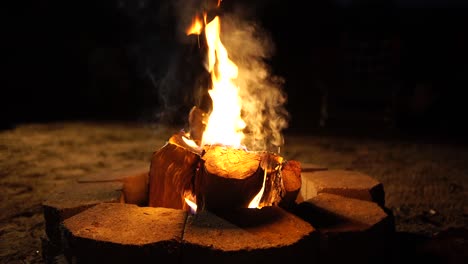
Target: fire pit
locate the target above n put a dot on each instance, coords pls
(104, 218)
(216, 193)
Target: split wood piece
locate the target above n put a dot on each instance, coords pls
(230, 178)
(134, 179)
(172, 170)
(346, 183)
(291, 175)
(75, 198)
(124, 233)
(351, 230)
(267, 235)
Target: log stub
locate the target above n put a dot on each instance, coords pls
(291, 175)
(75, 198)
(124, 233)
(352, 184)
(228, 178)
(267, 235)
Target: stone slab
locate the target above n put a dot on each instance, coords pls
(75, 198)
(124, 233)
(134, 179)
(352, 184)
(312, 167)
(351, 230)
(267, 235)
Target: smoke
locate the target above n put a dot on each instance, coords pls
(263, 99)
(186, 81)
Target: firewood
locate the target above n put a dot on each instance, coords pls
(274, 187)
(291, 175)
(171, 173)
(231, 178)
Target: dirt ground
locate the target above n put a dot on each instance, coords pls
(425, 183)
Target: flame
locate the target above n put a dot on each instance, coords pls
(196, 26)
(256, 200)
(224, 125)
(190, 200)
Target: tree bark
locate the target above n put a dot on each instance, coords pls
(292, 180)
(172, 171)
(219, 177)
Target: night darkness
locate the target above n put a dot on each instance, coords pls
(385, 64)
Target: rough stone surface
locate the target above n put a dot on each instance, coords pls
(134, 179)
(75, 198)
(268, 235)
(124, 233)
(311, 167)
(350, 229)
(353, 184)
(425, 181)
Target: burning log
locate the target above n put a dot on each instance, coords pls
(220, 177)
(171, 173)
(231, 178)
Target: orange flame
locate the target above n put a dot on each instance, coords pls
(224, 124)
(196, 27)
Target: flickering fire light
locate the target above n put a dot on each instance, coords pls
(225, 123)
(223, 160)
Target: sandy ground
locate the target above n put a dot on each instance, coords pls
(426, 184)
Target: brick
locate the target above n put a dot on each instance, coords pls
(267, 235)
(351, 230)
(352, 184)
(124, 233)
(75, 198)
(134, 179)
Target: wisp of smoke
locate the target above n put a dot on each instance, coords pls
(263, 100)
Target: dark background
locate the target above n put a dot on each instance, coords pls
(392, 65)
